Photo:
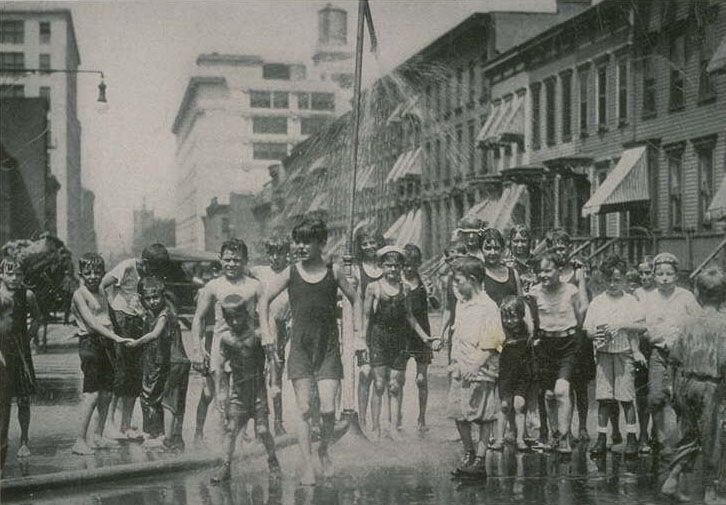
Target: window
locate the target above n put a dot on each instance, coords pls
(303, 101)
(536, 133)
(12, 91)
(12, 61)
(705, 183)
(622, 92)
(44, 92)
(675, 188)
(602, 96)
(44, 62)
(226, 230)
(260, 99)
(269, 125)
(566, 81)
(472, 83)
(584, 120)
(44, 28)
(706, 87)
(310, 125)
(649, 91)
(551, 108)
(12, 32)
(459, 87)
(276, 71)
(677, 64)
(269, 151)
(280, 100)
(323, 101)
(472, 147)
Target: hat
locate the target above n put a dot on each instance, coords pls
(389, 249)
(665, 258)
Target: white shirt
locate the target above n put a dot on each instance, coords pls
(616, 312)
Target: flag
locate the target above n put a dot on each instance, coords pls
(369, 22)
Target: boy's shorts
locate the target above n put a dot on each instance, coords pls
(658, 379)
(615, 377)
(128, 371)
(248, 400)
(388, 348)
(96, 363)
(419, 351)
(555, 359)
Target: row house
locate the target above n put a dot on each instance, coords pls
(619, 126)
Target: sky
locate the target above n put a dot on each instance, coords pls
(147, 51)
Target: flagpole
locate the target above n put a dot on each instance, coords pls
(349, 412)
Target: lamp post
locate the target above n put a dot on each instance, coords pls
(101, 86)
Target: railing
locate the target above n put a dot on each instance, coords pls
(708, 259)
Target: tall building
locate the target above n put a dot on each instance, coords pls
(333, 50)
(149, 229)
(239, 114)
(42, 39)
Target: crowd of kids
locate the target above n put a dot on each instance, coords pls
(525, 336)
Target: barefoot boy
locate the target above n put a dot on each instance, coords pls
(95, 348)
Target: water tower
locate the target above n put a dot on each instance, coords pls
(333, 51)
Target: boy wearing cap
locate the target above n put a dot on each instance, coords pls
(244, 397)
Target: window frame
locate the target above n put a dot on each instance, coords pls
(259, 94)
(583, 81)
(267, 146)
(566, 110)
(676, 79)
(43, 37)
(601, 94)
(280, 100)
(673, 154)
(329, 98)
(550, 111)
(18, 58)
(259, 120)
(622, 87)
(536, 117)
(44, 63)
(13, 36)
(705, 192)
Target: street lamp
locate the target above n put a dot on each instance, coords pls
(101, 86)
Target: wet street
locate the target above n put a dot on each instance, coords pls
(414, 470)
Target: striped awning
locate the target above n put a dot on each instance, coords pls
(491, 135)
(626, 183)
(366, 179)
(511, 129)
(717, 208)
(498, 212)
(392, 232)
(408, 163)
(494, 114)
(408, 108)
(484, 210)
(717, 63)
(406, 229)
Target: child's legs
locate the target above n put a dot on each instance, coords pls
(104, 399)
(203, 405)
(603, 415)
(365, 376)
(303, 397)
(236, 420)
(23, 403)
(629, 412)
(553, 414)
(464, 428)
(395, 393)
(485, 430)
(564, 405)
(88, 405)
(380, 379)
(422, 383)
(505, 416)
(519, 417)
(327, 393)
(580, 386)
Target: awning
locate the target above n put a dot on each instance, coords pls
(512, 128)
(337, 247)
(410, 232)
(717, 208)
(392, 232)
(366, 179)
(408, 163)
(407, 108)
(497, 212)
(626, 183)
(318, 164)
(484, 210)
(717, 64)
(491, 136)
(494, 114)
(320, 202)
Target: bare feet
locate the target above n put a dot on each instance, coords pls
(82, 448)
(24, 451)
(497, 445)
(670, 491)
(222, 474)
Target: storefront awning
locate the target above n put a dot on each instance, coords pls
(717, 208)
(626, 183)
(512, 128)
(408, 163)
(717, 64)
(494, 114)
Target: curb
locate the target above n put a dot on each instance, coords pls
(28, 485)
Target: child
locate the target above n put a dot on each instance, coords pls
(417, 300)
(647, 285)
(469, 232)
(122, 284)
(278, 253)
(477, 338)
(515, 367)
(520, 256)
(367, 241)
(156, 348)
(614, 320)
(245, 397)
(314, 358)
(632, 281)
(16, 304)
(699, 358)
(500, 280)
(95, 348)
(233, 256)
(174, 400)
(386, 320)
(454, 250)
(560, 307)
(666, 307)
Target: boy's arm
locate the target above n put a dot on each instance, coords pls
(110, 281)
(153, 334)
(369, 301)
(413, 322)
(36, 317)
(352, 295)
(205, 301)
(222, 382)
(80, 302)
(481, 357)
(274, 287)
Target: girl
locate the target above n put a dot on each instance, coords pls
(386, 320)
(520, 256)
(470, 233)
(500, 280)
(572, 271)
(314, 359)
(515, 368)
(417, 300)
(560, 307)
(454, 250)
(367, 241)
(476, 342)
(665, 308)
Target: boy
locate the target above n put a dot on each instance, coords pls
(699, 360)
(121, 284)
(16, 304)
(278, 253)
(234, 280)
(245, 398)
(614, 320)
(95, 349)
(647, 285)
